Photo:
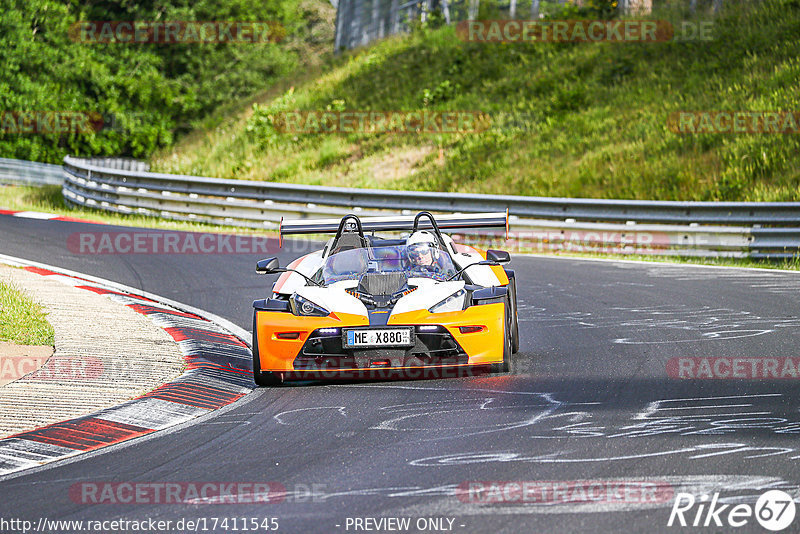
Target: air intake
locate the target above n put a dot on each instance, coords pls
(382, 283)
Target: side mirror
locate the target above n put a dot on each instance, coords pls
(498, 256)
(268, 266)
(489, 295)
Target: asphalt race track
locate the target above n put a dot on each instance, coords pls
(589, 398)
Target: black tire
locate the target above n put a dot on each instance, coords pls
(265, 378)
(505, 365)
(512, 292)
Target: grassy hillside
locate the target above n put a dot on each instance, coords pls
(589, 120)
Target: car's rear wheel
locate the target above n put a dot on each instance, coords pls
(262, 378)
(512, 292)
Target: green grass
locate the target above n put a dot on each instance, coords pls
(22, 321)
(590, 119)
(48, 199)
(787, 264)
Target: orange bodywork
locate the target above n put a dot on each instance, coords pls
(483, 347)
(277, 354)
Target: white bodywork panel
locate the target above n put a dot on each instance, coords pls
(481, 275)
(309, 265)
(428, 293)
(334, 298)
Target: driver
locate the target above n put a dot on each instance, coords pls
(423, 254)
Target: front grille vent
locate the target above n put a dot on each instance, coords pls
(382, 283)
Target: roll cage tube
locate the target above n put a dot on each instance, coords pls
(435, 226)
(340, 231)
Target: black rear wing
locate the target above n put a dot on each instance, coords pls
(397, 223)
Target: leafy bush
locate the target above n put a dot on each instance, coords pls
(146, 93)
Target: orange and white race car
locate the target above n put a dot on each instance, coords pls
(367, 306)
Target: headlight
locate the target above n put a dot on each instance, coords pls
(454, 302)
(304, 307)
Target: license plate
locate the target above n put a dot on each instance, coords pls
(378, 337)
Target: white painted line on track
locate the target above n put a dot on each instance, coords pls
(35, 215)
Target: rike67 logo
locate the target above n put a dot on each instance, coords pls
(774, 510)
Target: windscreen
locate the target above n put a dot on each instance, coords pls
(351, 264)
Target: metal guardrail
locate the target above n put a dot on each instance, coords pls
(671, 212)
(754, 229)
(20, 172)
(123, 164)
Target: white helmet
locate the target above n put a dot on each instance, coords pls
(420, 244)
